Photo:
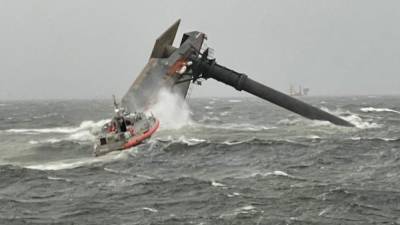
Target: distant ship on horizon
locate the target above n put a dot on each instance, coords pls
(299, 92)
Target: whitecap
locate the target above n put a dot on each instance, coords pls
(373, 138)
(216, 184)
(238, 126)
(324, 211)
(359, 123)
(59, 165)
(224, 113)
(355, 138)
(191, 141)
(44, 130)
(289, 121)
(183, 139)
(58, 178)
(50, 140)
(209, 118)
(234, 142)
(389, 139)
(234, 100)
(85, 125)
(171, 110)
(277, 173)
(234, 194)
(313, 137)
(81, 136)
(111, 170)
(145, 176)
(74, 163)
(33, 142)
(353, 119)
(55, 166)
(247, 208)
(372, 109)
(150, 209)
(273, 173)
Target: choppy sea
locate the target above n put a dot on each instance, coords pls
(216, 161)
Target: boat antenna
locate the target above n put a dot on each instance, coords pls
(115, 103)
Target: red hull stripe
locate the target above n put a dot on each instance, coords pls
(136, 140)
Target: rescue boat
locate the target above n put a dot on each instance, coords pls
(125, 131)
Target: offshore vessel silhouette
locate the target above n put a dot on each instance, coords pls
(176, 68)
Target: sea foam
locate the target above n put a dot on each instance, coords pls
(85, 125)
(171, 110)
(372, 109)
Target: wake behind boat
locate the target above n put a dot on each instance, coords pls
(125, 130)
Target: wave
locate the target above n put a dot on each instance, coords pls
(254, 140)
(81, 136)
(75, 163)
(224, 113)
(276, 173)
(182, 139)
(289, 122)
(183, 143)
(61, 165)
(248, 209)
(245, 210)
(294, 141)
(85, 125)
(50, 140)
(313, 137)
(45, 116)
(353, 118)
(237, 126)
(234, 100)
(305, 122)
(63, 130)
(216, 184)
(83, 133)
(273, 173)
(372, 109)
(58, 178)
(209, 119)
(171, 110)
(374, 139)
(360, 123)
(233, 194)
(150, 209)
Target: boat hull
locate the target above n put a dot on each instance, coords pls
(135, 135)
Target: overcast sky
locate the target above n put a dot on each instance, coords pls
(92, 49)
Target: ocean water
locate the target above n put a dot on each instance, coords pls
(215, 161)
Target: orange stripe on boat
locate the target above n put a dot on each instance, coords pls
(137, 140)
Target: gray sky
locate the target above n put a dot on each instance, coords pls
(92, 49)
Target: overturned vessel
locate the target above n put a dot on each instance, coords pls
(176, 68)
(125, 130)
